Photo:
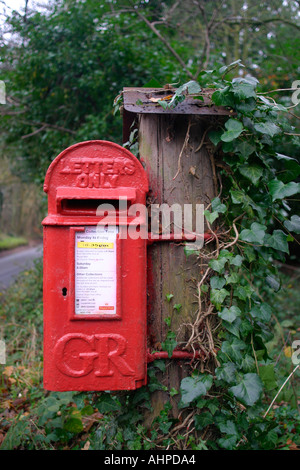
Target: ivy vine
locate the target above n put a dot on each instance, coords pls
(252, 222)
(253, 225)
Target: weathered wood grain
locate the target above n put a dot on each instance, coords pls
(161, 140)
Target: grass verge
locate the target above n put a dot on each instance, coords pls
(7, 242)
(33, 419)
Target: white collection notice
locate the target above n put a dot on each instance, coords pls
(95, 271)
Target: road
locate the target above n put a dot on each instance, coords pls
(11, 264)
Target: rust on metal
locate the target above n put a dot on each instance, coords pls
(145, 100)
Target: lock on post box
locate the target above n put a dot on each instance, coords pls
(94, 273)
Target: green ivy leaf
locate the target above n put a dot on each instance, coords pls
(211, 216)
(223, 97)
(255, 234)
(170, 343)
(246, 106)
(227, 372)
(215, 136)
(291, 168)
(217, 264)
(243, 292)
(217, 282)
(239, 197)
(217, 296)
(107, 403)
(189, 250)
(278, 241)
(265, 100)
(252, 173)
(268, 128)
(233, 349)
(267, 375)
(236, 260)
(225, 254)
(73, 425)
(233, 278)
(226, 68)
(228, 427)
(190, 88)
(217, 206)
(250, 253)
(262, 312)
(293, 225)
(213, 406)
(87, 410)
(194, 387)
(203, 420)
(163, 104)
(177, 307)
(230, 314)
(233, 129)
(228, 443)
(279, 190)
(244, 148)
(248, 363)
(243, 88)
(154, 384)
(273, 282)
(245, 328)
(234, 327)
(249, 390)
(169, 297)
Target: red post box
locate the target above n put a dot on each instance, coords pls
(94, 273)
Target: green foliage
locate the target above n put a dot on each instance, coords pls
(7, 242)
(77, 58)
(259, 181)
(112, 421)
(189, 88)
(194, 387)
(170, 343)
(66, 66)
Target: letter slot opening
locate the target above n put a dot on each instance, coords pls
(77, 201)
(90, 206)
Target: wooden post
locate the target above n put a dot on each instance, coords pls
(173, 150)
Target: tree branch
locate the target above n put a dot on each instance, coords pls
(240, 20)
(44, 126)
(165, 42)
(34, 132)
(284, 383)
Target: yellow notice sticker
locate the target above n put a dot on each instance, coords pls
(109, 246)
(96, 271)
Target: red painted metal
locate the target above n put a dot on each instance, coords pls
(181, 355)
(175, 238)
(104, 350)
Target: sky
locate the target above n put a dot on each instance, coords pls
(12, 5)
(9, 5)
(15, 4)
(19, 4)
